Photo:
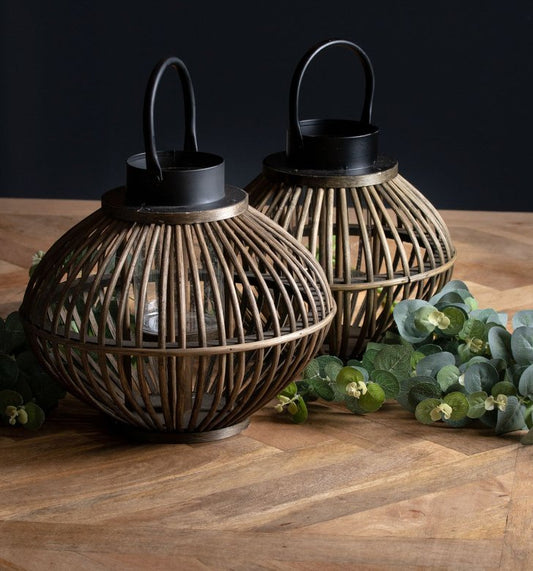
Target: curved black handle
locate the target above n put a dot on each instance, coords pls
(295, 132)
(190, 144)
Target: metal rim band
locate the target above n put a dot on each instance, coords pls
(151, 349)
(274, 167)
(235, 202)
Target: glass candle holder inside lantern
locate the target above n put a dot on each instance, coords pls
(176, 309)
(377, 237)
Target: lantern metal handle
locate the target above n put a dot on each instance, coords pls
(295, 131)
(190, 144)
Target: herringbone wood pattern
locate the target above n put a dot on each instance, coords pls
(340, 492)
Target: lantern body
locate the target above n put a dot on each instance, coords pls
(377, 242)
(378, 239)
(178, 330)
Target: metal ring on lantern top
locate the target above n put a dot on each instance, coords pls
(377, 237)
(176, 309)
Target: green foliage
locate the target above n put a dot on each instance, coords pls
(522, 345)
(448, 361)
(27, 393)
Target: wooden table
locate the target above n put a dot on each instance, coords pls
(340, 492)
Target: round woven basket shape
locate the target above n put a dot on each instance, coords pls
(177, 324)
(377, 237)
(180, 328)
(378, 244)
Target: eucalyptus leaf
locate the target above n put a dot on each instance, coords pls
(447, 298)
(472, 361)
(352, 404)
(500, 343)
(396, 359)
(448, 376)
(35, 416)
(429, 366)
(323, 389)
(364, 372)
(476, 404)
(422, 391)
(373, 399)
(324, 360)
(409, 327)
(457, 317)
(405, 387)
(503, 388)
(480, 377)
(311, 370)
(525, 385)
(424, 408)
(349, 375)
(387, 381)
(464, 353)
(15, 338)
(332, 369)
(473, 329)
(9, 398)
(522, 345)
(459, 403)
(306, 391)
(422, 319)
(290, 390)
(523, 318)
(457, 287)
(512, 418)
(489, 316)
(368, 359)
(372, 346)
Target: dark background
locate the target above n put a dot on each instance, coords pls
(453, 88)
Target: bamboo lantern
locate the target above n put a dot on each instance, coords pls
(176, 309)
(377, 237)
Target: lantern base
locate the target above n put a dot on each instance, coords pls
(155, 437)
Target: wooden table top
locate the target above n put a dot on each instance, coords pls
(340, 492)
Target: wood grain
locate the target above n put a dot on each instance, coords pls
(340, 492)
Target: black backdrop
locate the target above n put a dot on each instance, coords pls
(453, 88)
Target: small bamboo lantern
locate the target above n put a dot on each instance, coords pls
(176, 309)
(376, 236)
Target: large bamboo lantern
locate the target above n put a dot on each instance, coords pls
(176, 309)
(377, 237)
